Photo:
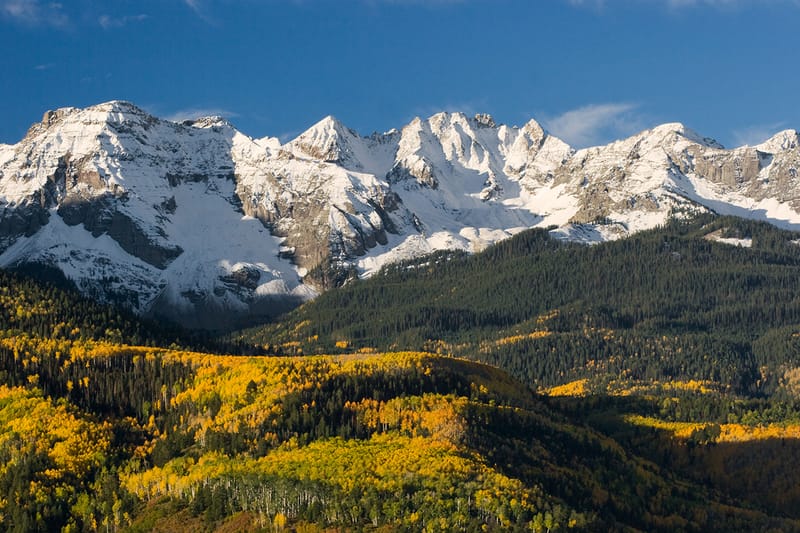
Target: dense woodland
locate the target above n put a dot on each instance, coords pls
(646, 384)
(664, 304)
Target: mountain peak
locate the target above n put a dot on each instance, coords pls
(329, 121)
(114, 112)
(533, 127)
(480, 120)
(781, 141)
(119, 106)
(117, 111)
(52, 117)
(448, 117)
(327, 126)
(328, 140)
(485, 120)
(208, 122)
(671, 129)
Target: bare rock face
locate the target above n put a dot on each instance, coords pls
(724, 168)
(420, 170)
(327, 214)
(100, 216)
(195, 219)
(759, 173)
(21, 222)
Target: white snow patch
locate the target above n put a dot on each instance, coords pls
(744, 243)
(204, 222)
(737, 204)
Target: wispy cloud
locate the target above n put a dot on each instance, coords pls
(34, 13)
(198, 112)
(595, 124)
(289, 136)
(44, 66)
(204, 10)
(756, 133)
(108, 22)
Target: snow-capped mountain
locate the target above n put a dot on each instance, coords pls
(191, 219)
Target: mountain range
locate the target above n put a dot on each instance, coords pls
(184, 219)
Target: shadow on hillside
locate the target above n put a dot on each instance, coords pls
(759, 471)
(212, 320)
(752, 472)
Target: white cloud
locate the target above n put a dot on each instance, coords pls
(34, 12)
(757, 133)
(595, 124)
(203, 10)
(198, 112)
(108, 22)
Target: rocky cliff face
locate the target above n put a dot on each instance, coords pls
(198, 221)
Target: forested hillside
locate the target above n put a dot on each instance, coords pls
(670, 303)
(103, 428)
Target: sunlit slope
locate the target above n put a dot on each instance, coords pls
(406, 440)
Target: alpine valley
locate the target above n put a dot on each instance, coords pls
(490, 372)
(199, 222)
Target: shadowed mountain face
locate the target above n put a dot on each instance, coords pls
(194, 219)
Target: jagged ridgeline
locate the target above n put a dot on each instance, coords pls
(97, 434)
(200, 223)
(714, 298)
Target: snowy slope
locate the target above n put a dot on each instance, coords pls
(469, 183)
(198, 221)
(144, 211)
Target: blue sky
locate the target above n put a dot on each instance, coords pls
(590, 70)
